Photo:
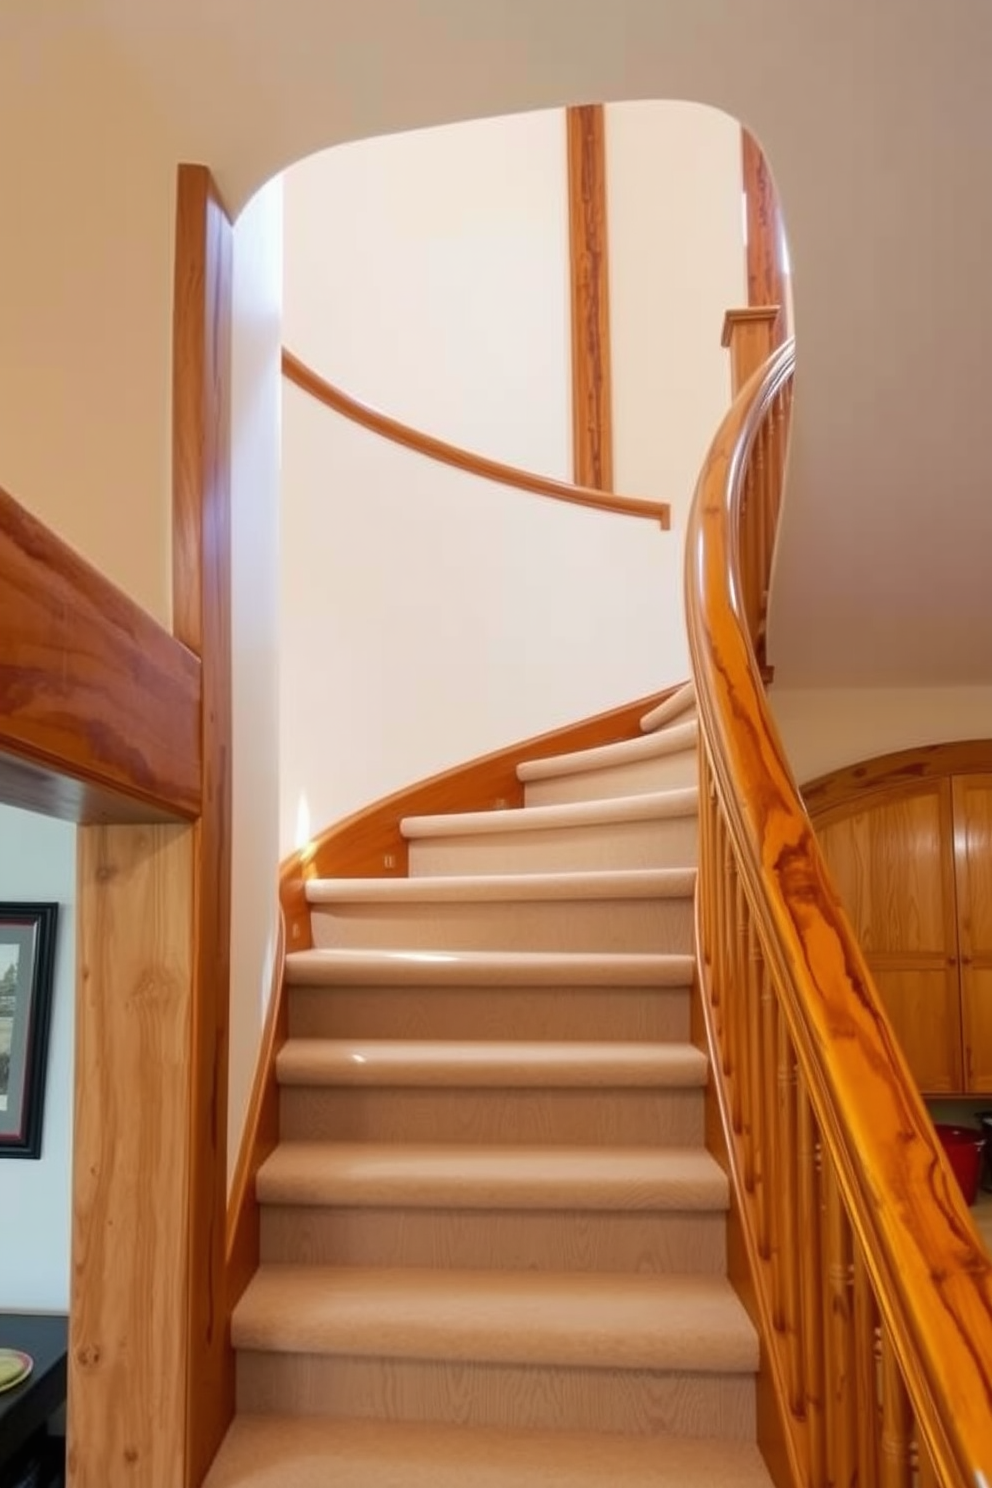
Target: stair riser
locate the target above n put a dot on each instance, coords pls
(596, 1013)
(664, 772)
(632, 1117)
(474, 1239)
(637, 1402)
(650, 925)
(667, 843)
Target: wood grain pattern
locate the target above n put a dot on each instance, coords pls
(99, 707)
(749, 336)
(766, 278)
(592, 391)
(202, 617)
(973, 866)
(930, 1273)
(840, 791)
(128, 1352)
(308, 381)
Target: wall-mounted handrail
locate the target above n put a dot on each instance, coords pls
(302, 376)
(873, 1290)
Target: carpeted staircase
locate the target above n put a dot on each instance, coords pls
(493, 1243)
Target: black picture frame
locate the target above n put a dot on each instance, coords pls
(27, 964)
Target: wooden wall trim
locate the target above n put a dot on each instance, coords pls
(202, 618)
(309, 381)
(592, 409)
(767, 282)
(841, 792)
(99, 706)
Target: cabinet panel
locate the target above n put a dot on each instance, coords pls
(894, 873)
(973, 861)
(893, 867)
(925, 1010)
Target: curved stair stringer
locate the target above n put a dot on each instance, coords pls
(492, 1240)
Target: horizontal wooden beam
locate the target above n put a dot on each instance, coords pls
(99, 706)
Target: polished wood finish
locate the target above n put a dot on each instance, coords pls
(259, 1138)
(99, 706)
(907, 840)
(865, 1182)
(592, 391)
(308, 381)
(766, 278)
(749, 336)
(202, 619)
(128, 1353)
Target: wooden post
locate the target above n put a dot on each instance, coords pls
(592, 417)
(749, 336)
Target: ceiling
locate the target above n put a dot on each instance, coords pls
(876, 116)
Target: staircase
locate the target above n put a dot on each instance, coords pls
(493, 1242)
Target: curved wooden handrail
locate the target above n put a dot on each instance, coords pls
(878, 1288)
(302, 376)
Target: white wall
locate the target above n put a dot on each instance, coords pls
(825, 729)
(425, 274)
(428, 617)
(677, 264)
(38, 863)
(256, 392)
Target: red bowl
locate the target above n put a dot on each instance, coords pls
(964, 1147)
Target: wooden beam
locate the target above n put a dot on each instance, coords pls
(128, 1355)
(592, 414)
(202, 619)
(99, 706)
(767, 281)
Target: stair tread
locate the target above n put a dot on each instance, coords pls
(333, 966)
(693, 1323)
(648, 806)
(632, 883)
(446, 1176)
(674, 706)
(493, 1064)
(681, 737)
(274, 1451)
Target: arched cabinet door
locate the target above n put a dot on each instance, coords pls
(973, 865)
(893, 864)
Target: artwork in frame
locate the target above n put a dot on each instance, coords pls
(27, 960)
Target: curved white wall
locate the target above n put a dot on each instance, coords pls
(429, 617)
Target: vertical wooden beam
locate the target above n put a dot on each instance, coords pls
(750, 337)
(766, 278)
(592, 415)
(202, 619)
(128, 1355)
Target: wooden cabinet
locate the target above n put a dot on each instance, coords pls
(912, 863)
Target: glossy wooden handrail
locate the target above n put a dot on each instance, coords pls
(304, 377)
(880, 1348)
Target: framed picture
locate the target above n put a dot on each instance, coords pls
(27, 959)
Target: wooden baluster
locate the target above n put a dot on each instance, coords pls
(720, 938)
(786, 1186)
(732, 1002)
(742, 991)
(811, 1229)
(838, 1335)
(896, 1452)
(706, 860)
(926, 1473)
(867, 1358)
(771, 1164)
(760, 1115)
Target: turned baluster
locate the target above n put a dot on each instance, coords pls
(786, 1187)
(896, 1448)
(771, 1165)
(745, 1071)
(867, 1361)
(811, 1282)
(838, 1335)
(732, 998)
(760, 1116)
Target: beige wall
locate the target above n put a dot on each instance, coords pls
(429, 617)
(826, 729)
(256, 392)
(85, 307)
